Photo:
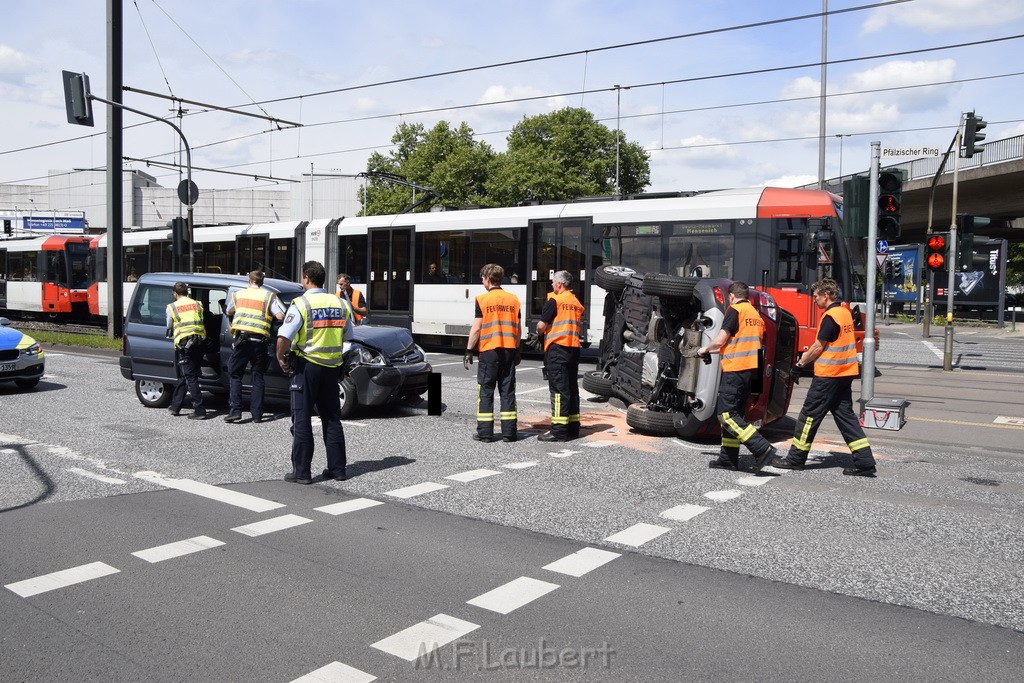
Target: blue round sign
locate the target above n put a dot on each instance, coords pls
(882, 247)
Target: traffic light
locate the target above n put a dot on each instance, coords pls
(965, 239)
(888, 270)
(855, 205)
(897, 271)
(890, 196)
(179, 238)
(7, 226)
(937, 252)
(973, 135)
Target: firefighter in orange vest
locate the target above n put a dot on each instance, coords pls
(497, 329)
(561, 324)
(355, 298)
(834, 355)
(738, 342)
(251, 310)
(185, 322)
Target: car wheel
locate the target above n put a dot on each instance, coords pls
(597, 382)
(153, 394)
(27, 383)
(613, 278)
(651, 421)
(670, 286)
(347, 393)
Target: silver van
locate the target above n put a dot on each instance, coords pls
(381, 364)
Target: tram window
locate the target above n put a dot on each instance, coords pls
(790, 258)
(161, 257)
(704, 256)
(450, 251)
(217, 257)
(624, 245)
(352, 257)
(55, 271)
(136, 262)
(22, 266)
(503, 247)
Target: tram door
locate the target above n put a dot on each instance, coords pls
(559, 245)
(390, 286)
(252, 254)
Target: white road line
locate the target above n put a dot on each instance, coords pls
(638, 534)
(269, 526)
(520, 465)
(582, 562)
(722, 496)
(242, 500)
(416, 490)
(681, 513)
(512, 595)
(564, 453)
(93, 475)
(472, 475)
(443, 365)
(348, 506)
(351, 423)
(1002, 420)
(933, 348)
(177, 549)
(753, 481)
(531, 391)
(336, 672)
(692, 446)
(598, 444)
(774, 470)
(65, 577)
(425, 637)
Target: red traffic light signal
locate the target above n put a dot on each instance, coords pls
(890, 191)
(938, 248)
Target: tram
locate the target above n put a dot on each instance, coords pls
(46, 276)
(779, 240)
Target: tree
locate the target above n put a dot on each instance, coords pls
(448, 161)
(1015, 267)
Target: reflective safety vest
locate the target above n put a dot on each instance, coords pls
(357, 302)
(320, 337)
(499, 328)
(840, 357)
(740, 352)
(187, 315)
(565, 329)
(252, 311)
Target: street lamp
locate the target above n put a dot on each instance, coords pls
(841, 136)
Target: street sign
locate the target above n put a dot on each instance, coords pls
(880, 259)
(893, 152)
(188, 192)
(882, 247)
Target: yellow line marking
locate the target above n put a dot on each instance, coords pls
(961, 422)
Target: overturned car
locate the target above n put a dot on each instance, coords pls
(654, 324)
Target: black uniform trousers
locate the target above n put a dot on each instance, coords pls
(830, 395)
(315, 386)
(733, 392)
(188, 363)
(563, 364)
(248, 350)
(497, 367)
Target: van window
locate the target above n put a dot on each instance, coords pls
(150, 305)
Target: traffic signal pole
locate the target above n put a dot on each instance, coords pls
(947, 350)
(867, 375)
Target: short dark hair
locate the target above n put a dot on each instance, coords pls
(314, 272)
(493, 272)
(181, 289)
(257, 277)
(828, 287)
(740, 290)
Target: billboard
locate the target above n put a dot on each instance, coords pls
(64, 224)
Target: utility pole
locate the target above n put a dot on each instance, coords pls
(947, 347)
(867, 375)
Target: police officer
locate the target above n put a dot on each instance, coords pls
(738, 342)
(354, 298)
(497, 330)
(184, 318)
(309, 348)
(834, 355)
(561, 325)
(251, 310)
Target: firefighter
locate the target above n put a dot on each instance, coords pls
(561, 325)
(251, 311)
(496, 327)
(185, 323)
(353, 297)
(310, 344)
(738, 342)
(834, 355)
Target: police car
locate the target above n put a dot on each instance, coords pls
(21, 358)
(381, 363)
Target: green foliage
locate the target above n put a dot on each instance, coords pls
(1015, 267)
(556, 156)
(91, 341)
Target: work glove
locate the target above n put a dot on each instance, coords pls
(533, 342)
(467, 358)
(706, 357)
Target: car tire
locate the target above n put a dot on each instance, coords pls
(347, 394)
(650, 421)
(153, 394)
(597, 382)
(613, 278)
(669, 286)
(27, 383)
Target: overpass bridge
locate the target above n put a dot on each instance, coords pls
(991, 184)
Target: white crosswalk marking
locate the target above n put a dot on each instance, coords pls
(177, 549)
(638, 534)
(681, 513)
(582, 561)
(242, 500)
(336, 672)
(416, 490)
(425, 637)
(65, 577)
(348, 506)
(512, 595)
(722, 496)
(269, 526)
(472, 475)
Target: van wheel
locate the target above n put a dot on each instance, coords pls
(613, 278)
(597, 382)
(669, 286)
(27, 383)
(347, 393)
(651, 421)
(153, 394)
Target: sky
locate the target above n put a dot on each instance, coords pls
(352, 72)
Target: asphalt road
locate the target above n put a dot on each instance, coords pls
(706, 574)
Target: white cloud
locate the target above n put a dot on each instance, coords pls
(14, 65)
(804, 86)
(940, 15)
(790, 181)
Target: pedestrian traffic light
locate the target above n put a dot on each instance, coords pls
(890, 196)
(887, 273)
(897, 271)
(973, 135)
(937, 252)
